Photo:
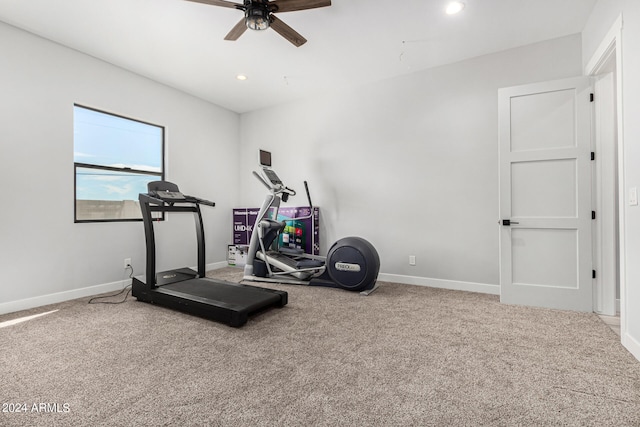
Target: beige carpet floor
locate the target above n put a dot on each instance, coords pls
(404, 356)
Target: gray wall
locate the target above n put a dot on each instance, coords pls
(42, 252)
(409, 163)
(603, 16)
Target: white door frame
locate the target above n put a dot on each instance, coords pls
(605, 232)
(609, 48)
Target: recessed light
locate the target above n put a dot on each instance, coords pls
(454, 7)
(241, 77)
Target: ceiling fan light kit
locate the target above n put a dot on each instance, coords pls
(259, 16)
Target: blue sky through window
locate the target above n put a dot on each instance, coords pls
(106, 140)
(96, 184)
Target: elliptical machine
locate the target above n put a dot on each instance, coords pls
(352, 263)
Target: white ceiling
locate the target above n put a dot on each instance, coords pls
(180, 43)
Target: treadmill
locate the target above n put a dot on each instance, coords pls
(187, 290)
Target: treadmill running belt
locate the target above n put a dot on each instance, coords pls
(234, 295)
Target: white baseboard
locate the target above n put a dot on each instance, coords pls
(631, 344)
(216, 265)
(440, 283)
(414, 280)
(28, 303)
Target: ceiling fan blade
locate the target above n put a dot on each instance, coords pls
(287, 32)
(236, 31)
(222, 3)
(291, 5)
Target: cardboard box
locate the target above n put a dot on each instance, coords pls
(237, 255)
(299, 233)
(243, 222)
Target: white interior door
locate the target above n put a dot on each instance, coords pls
(545, 195)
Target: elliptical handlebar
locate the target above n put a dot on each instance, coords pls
(276, 187)
(261, 179)
(306, 188)
(269, 179)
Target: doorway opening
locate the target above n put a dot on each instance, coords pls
(608, 185)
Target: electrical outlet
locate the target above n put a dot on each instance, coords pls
(127, 262)
(412, 260)
(633, 196)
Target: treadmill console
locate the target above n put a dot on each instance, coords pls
(169, 196)
(169, 193)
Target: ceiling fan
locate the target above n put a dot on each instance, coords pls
(259, 15)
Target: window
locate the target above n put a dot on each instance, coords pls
(114, 159)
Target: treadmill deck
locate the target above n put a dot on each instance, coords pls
(226, 302)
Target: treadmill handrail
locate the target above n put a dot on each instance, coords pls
(148, 198)
(149, 204)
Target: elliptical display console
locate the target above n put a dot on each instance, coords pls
(352, 263)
